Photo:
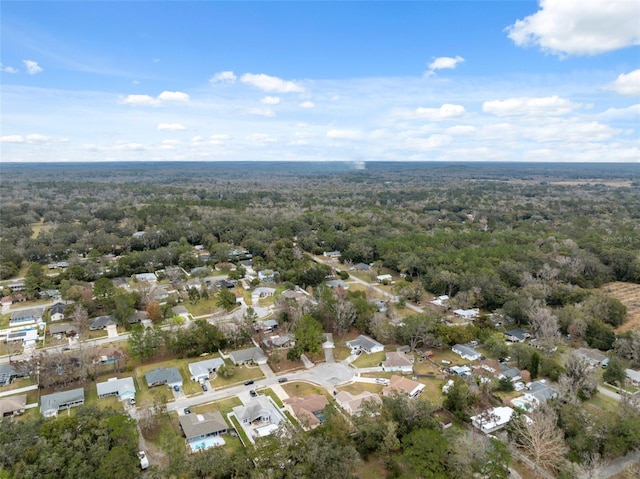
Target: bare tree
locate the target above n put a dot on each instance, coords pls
(80, 318)
(578, 381)
(544, 325)
(539, 438)
(344, 316)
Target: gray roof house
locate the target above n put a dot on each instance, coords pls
(400, 362)
(337, 283)
(517, 335)
(198, 426)
(13, 405)
(512, 373)
(50, 404)
(160, 376)
(202, 370)
(64, 328)
(281, 341)
(101, 322)
(7, 374)
(466, 352)
(366, 344)
(592, 356)
(260, 412)
(123, 388)
(246, 356)
(633, 376)
(362, 267)
(28, 316)
(539, 393)
(57, 311)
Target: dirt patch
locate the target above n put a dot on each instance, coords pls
(629, 295)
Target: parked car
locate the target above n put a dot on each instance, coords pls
(282, 380)
(249, 382)
(144, 462)
(253, 393)
(204, 387)
(382, 381)
(176, 388)
(132, 401)
(187, 410)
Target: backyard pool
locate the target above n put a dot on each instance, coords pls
(206, 443)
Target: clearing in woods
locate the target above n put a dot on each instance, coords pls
(629, 295)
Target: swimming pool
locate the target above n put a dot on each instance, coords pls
(521, 404)
(206, 443)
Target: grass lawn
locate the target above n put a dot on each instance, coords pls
(447, 355)
(373, 468)
(301, 389)
(241, 374)
(202, 307)
(269, 392)
(341, 352)
(369, 360)
(602, 402)
(4, 321)
(425, 367)
(432, 391)
(19, 383)
(357, 388)
(225, 406)
(242, 435)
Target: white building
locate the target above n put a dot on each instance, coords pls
(492, 419)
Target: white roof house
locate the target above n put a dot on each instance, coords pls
(400, 362)
(124, 388)
(492, 419)
(203, 369)
(50, 404)
(366, 344)
(466, 313)
(466, 352)
(147, 277)
(384, 277)
(260, 417)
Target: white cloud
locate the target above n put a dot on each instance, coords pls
(129, 147)
(31, 139)
(270, 100)
(223, 77)
(260, 138)
(461, 130)
(269, 83)
(632, 112)
(442, 63)
(171, 126)
(161, 99)
(627, 84)
(344, 134)
(307, 104)
(218, 139)
(579, 27)
(551, 105)
(32, 67)
(7, 69)
(444, 112)
(173, 96)
(268, 112)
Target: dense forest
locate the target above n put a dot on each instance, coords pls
(533, 243)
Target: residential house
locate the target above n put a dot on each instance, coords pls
(460, 370)
(467, 313)
(123, 388)
(492, 419)
(7, 374)
(28, 337)
(6, 301)
(331, 254)
(263, 292)
(267, 275)
(57, 311)
(539, 392)
(107, 354)
(440, 300)
(592, 356)
(337, 284)
(101, 322)
(398, 384)
(160, 376)
(362, 267)
(398, 362)
(198, 427)
(279, 341)
(366, 344)
(352, 404)
(50, 404)
(248, 356)
(13, 405)
(309, 409)
(223, 283)
(633, 376)
(28, 316)
(517, 335)
(201, 370)
(513, 374)
(466, 352)
(180, 311)
(147, 277)
(384, 278)
(16, 286)
(259, 414)
(138, 317)
(265, 326)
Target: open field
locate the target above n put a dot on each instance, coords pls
(629, 295)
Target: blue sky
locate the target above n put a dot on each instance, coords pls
(555, 80)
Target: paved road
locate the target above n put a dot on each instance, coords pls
(618, 465)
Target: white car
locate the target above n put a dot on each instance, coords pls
(384, 381)
(144, 462)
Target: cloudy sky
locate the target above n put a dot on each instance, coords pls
(554, 80)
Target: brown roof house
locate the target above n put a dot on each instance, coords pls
(13, 405)
(400, 362)
(352, 404)
(309, 409)
(402, 385)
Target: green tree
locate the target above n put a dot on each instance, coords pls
(226, 299)
(614, 373)
(309, 335)
(534, 364)
(425, 454)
